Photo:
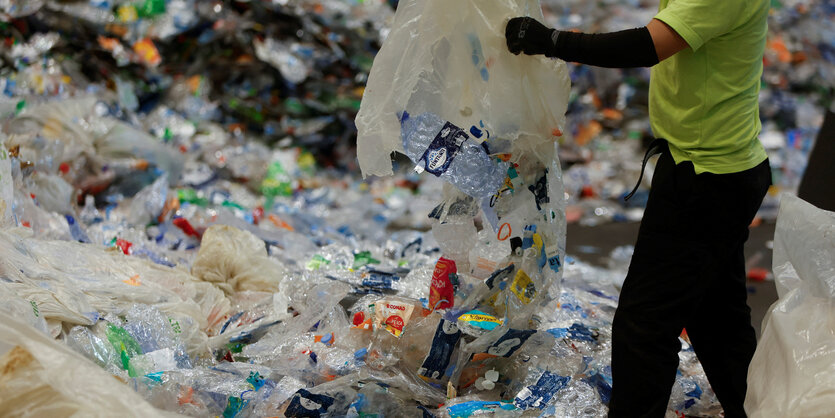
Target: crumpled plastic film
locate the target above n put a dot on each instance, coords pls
(6, 188)
(19, 8)
(219, 261)
(456, 66)
(94, 280)
(475, 116)
(42, 377)
(791, 372)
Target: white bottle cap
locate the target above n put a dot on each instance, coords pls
(492, 375)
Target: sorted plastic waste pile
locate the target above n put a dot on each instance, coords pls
(180, 234)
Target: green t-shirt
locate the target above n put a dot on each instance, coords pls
(704, 99)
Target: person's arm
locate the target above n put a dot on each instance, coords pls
(667, 42)
(641, 47)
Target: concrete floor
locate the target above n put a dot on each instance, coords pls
(594, 244)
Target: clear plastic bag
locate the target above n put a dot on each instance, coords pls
(445, 91)
(20, 8)
(41, 377)
(452, 62)
(80, 289)
(236, 260)
(791, 374)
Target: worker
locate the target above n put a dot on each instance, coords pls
(688, 268)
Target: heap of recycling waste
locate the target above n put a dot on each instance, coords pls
(179, 213)
(213, 297)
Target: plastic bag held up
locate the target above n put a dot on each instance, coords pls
(792, 373)
(445, 91)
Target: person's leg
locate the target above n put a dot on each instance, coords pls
(647, 324)
(664, 278)
(722, 335)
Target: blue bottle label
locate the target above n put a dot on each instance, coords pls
(308, 405)
(511, 341)
(443, 344)
(443, 148)
(538, 395)
(500, 276)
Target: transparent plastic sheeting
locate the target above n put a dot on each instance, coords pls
(793, 370)
(445, 91)
(451, 61)
(42, 377)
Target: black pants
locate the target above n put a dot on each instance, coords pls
(688, 271)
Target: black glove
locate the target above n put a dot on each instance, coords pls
(525, 34)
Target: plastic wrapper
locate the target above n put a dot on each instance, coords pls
(37, 45)
(121, 140)
(545, 369)
(332, 398)
(457, 74)
(790, 374)
(44, 224)
(458, 69)
(284, 57)
(40, 376)
(6, 188)
(62, 138)
(93, 344)
(236, 260)
(376, 399)
(443, 149)
(53, 282)
(318, 302)
(474, 406)
(26, 312)
(148, 204)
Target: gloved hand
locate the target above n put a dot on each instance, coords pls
(525, 34)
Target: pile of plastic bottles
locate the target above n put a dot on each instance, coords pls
(206, 303)
(283, 70)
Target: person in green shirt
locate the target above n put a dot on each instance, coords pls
(688, 268)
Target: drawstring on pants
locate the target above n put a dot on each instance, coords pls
(657, 146)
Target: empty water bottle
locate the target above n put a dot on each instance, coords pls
(448, 151)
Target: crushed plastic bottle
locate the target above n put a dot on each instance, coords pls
(449, 152)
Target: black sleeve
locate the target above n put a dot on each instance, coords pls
(625, 49)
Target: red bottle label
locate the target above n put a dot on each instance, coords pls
(441, 291)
